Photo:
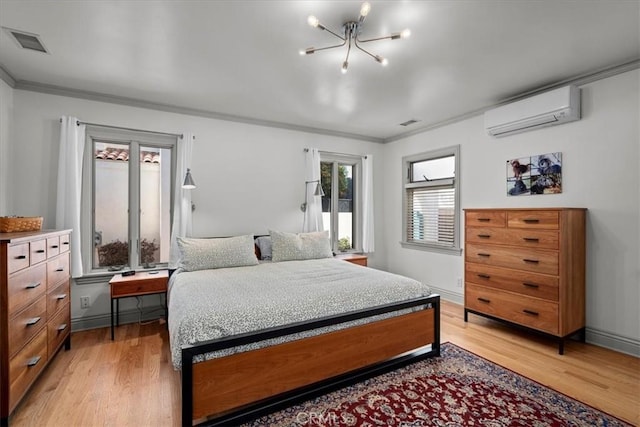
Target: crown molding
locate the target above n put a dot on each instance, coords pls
(131, 102)
(579, 80)
(6, 77)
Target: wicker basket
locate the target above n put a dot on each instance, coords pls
(11, 224)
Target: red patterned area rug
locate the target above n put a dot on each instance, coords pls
(457, 389)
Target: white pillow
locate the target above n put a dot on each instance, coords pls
(203, 254)
(290, 247)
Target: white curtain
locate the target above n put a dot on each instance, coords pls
(313, 214)
(69, 189)
(367, 205)
(182, 224)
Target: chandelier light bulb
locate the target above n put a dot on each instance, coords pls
(313, 21)
(383, 61)
(345, 65)
(405, 33)
(302, 52)
(364, 10)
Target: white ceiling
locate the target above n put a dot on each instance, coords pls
(240, 58)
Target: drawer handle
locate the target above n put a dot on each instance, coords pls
(33, 321)
(33, 361)
(484, 276)
(32, 286)
(484, 236)
(530, 261)
(531, 220)
(40, 251)
(21, 257)
(484, 219)
(61, 296)
(62, 327)
(484, 300)
(533, 313)
(60, 269)
(65, 243)
(54, 246)
(484, 255)
(531, 239)
(530, 285)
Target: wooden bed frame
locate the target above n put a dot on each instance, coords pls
(243, 386)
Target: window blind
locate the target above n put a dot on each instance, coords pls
(431, 215)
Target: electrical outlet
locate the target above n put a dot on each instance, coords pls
(459, 282)
(85, 302)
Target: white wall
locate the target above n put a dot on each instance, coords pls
(250, 178)
(600, 158)
(6, 115)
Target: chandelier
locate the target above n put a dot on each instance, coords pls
(351, 31)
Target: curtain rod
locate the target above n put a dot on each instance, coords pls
(178, 135)
(306, 150)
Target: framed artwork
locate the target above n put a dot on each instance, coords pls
(541, 174)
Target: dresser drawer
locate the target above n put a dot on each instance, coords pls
(64, 243)
(534, 219)
(524, 310)
(486, 219)
(522, 282)
(26, 324)
(38, 251)
(535, 260)
(53, 246)
(57, 298)
(18, 257)
(25, 287)
(58, 329)
(543, 239)
(25, 366)
(57, 270)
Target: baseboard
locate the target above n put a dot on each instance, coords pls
(612, 341)
(126, 316)
(593, 335)
(458, 298)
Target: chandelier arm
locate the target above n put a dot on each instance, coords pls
(335, 34)
(365, 51)
(390, 36)
(330, 47)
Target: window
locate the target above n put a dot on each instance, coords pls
(341, 178)
(128, 179)
(431, 201)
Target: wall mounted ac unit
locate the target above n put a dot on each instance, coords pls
(547, 109)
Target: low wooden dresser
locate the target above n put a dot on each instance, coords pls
(35, 312)
(527, 267)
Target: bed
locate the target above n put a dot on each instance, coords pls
(254, 336)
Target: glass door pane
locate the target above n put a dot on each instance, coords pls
(155, 205)
(326, 178)
(111, 205)
(345, 208)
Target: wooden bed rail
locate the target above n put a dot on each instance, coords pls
(246, 385)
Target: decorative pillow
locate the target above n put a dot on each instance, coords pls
(203, 254)
(289, 246)
(264, 245)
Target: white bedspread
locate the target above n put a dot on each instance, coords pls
(210, 304)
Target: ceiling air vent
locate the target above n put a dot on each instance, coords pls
(27, 40)
(409, 122)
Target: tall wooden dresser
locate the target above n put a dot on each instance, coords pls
(527, 267)
(34, 309)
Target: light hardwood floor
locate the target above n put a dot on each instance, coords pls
(130, 381)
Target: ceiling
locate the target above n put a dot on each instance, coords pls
(239, 59)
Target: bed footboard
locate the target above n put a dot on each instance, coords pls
(249, 384)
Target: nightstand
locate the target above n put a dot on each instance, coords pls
(359, 259)
(141, 283)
